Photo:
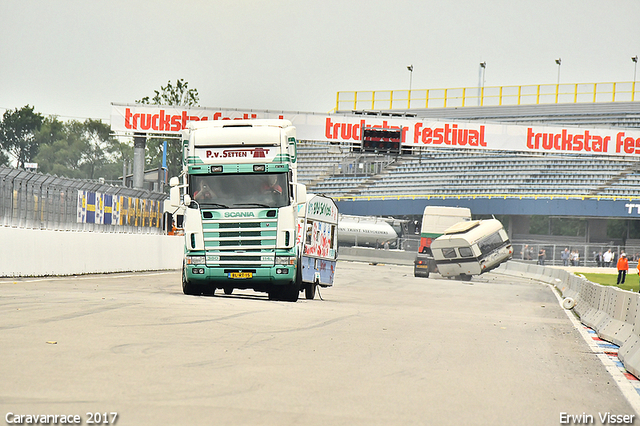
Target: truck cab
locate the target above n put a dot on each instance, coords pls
(240, 196)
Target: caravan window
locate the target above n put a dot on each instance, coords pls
(490, 243)
(465, 252)
(449, 253)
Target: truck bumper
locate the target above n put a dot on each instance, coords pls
(256, 278)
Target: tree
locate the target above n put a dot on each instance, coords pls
(17, 134)
(61, 148)
(178, 95)
(79, 149)
(4, 159)
(101, 147)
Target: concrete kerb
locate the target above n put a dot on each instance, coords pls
(610, 311)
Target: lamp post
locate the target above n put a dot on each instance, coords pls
(410, 68)
(481, 75)
(635, 68)
(559, 62)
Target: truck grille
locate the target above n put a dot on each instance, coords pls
(239, 242)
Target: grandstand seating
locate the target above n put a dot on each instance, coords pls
(446, 171)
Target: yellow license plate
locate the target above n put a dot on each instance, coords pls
(241, 275)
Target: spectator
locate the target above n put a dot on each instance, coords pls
(541, 256)
(565, 257)
(623, 267)
(598, 259)
(607, 258)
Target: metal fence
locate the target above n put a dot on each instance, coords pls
(488, 96)
(528, 252)
(587, 253)
(38, 201)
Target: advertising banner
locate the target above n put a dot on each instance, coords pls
(105, 209)
(415, 132)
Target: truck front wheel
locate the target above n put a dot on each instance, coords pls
(194, 289)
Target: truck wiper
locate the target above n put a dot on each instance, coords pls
(253, 204)
(220, 206)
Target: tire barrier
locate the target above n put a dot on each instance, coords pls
(610, 311)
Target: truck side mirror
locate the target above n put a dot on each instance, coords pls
(174, 192)
(301, 193)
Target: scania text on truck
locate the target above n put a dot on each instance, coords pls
(240, 207)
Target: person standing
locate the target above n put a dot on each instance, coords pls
(606, 257)
(623, 267)
(565, 257)
(598, 259)
(541, 256)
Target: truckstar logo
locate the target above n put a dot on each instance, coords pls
(238, 153)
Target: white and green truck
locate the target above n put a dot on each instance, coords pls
(240, 198)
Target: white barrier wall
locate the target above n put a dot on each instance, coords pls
(28, 252)
(610, 311)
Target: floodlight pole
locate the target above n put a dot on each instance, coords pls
(410, 68)
(635, 68)
(481, 75)
(559, 62)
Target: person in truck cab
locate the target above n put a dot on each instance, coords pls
(204, 193)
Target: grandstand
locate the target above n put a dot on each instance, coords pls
(515, 184)
(465, 172)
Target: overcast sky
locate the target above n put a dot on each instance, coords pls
(73, 58)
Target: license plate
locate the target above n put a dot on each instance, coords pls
(422, 266)
(240, 275)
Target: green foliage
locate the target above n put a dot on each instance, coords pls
(80, 149)
(173, 95)
(17, 134)
(178, 95)
(4, 159)
(539, 225)
(570, 227)
(567, 226)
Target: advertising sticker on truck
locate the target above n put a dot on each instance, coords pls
(236, 155)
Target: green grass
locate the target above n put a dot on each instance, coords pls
(630, 283)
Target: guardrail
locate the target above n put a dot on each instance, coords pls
(610, 311)
(537, 94)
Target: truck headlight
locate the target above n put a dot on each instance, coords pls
(196, 260)
(285, 260)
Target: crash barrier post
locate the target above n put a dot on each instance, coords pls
(610, 311)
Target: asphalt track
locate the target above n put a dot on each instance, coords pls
(382, 348)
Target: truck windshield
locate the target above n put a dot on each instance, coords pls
(240, 190)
